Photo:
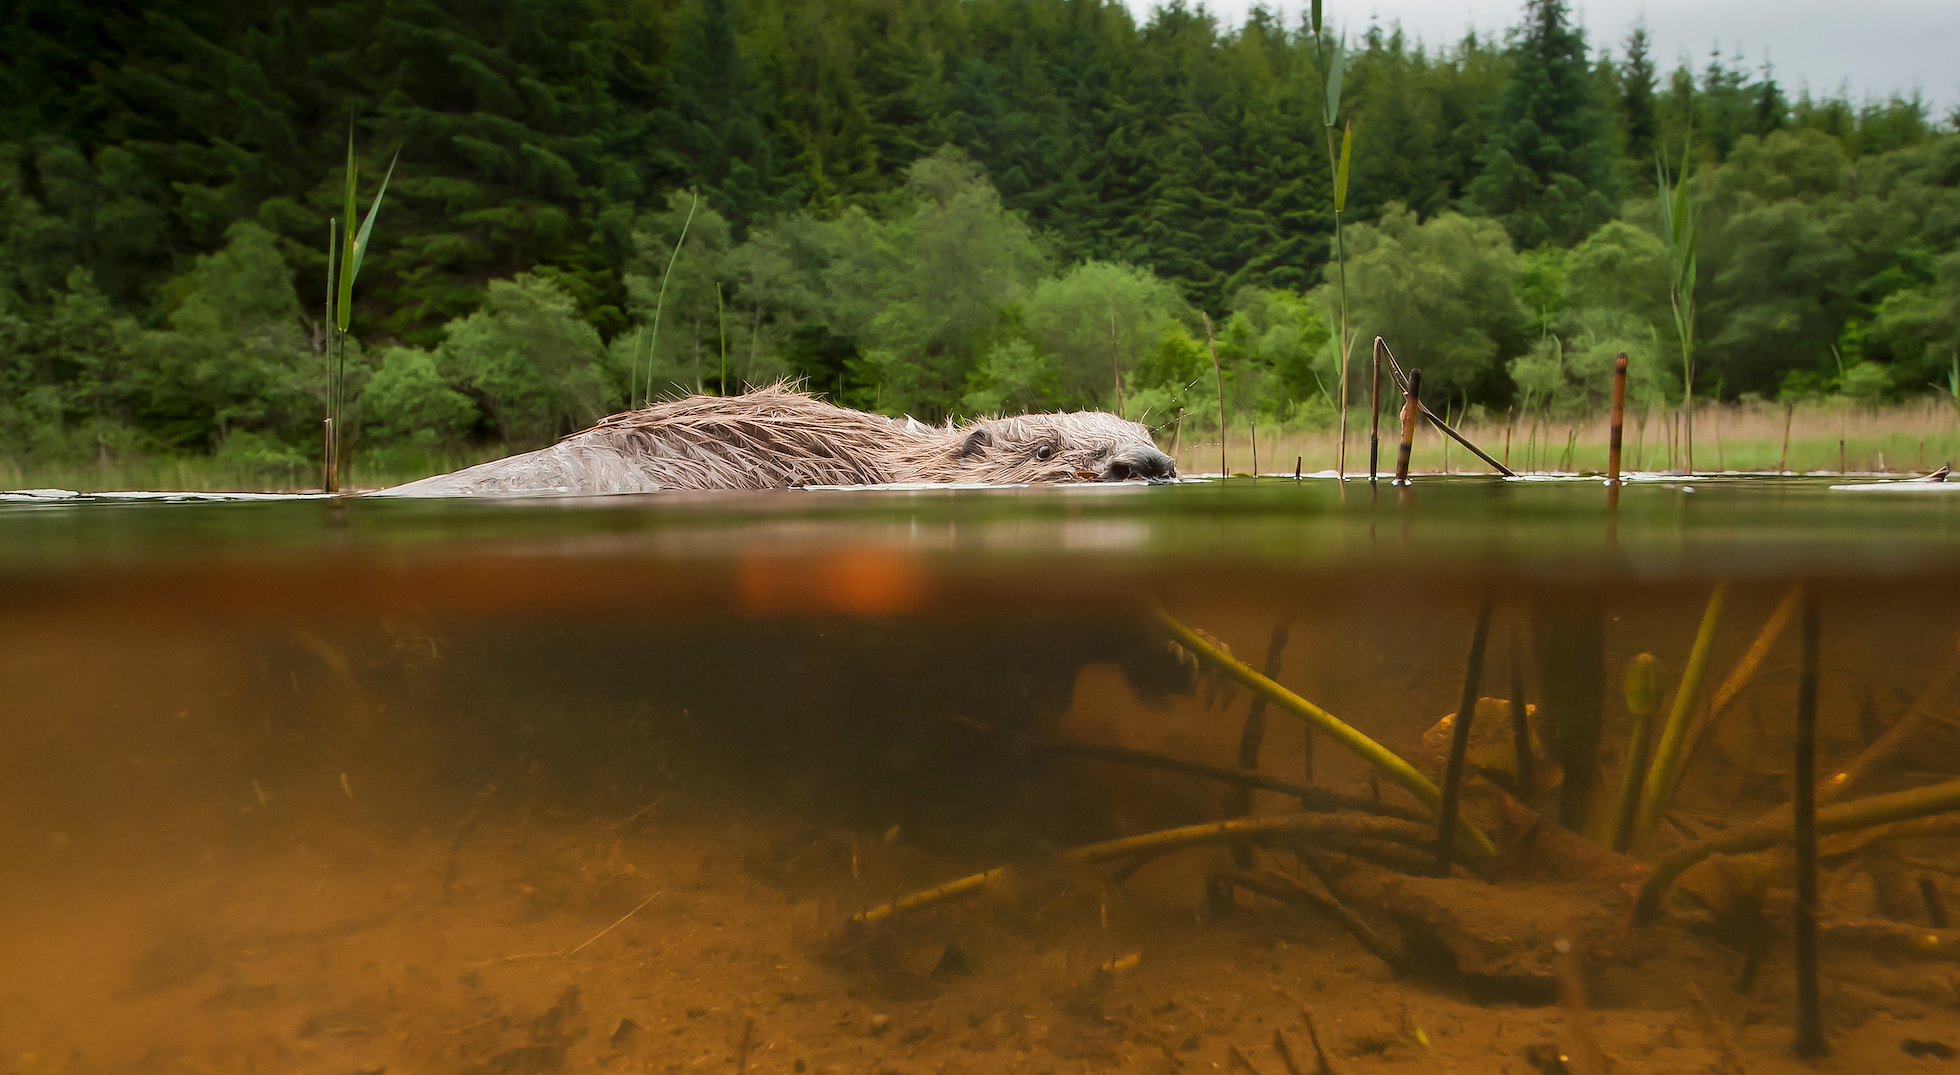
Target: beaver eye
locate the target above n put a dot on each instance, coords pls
(1045, 452)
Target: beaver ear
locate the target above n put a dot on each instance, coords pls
(976, 443)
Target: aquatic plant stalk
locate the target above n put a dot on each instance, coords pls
(1810, 1018)
(1466, 711)
(1665, 771)
(1739, 676)
(1643, 693)
(1220, 375)
(1411, 405)
(1617, 435)
(1384, 761)
(1375, 408)
(1771, 831)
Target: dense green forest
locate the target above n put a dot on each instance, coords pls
(924, 206)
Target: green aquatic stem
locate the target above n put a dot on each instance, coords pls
(1384, 761)
(1643, 703)
(1664, 773)
(1772, 831)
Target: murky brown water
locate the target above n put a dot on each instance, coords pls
(350, 787)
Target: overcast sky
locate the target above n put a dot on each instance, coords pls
(1876, 47)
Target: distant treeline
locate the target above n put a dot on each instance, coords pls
(933, 206)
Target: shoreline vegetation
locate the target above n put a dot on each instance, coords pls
(988, 206)
(1897, 440)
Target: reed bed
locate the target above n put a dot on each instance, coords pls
(1900, 438)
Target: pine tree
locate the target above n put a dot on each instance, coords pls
(1546, 170)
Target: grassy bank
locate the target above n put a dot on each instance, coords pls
(1893, 439)
(1896, 439)
(204, 473)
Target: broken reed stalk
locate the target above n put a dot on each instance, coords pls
(1810, 1019)
(1411, 403)
(1254, 427)
(1384, 761)
(1898, 735)
(1664, 774)
(1219, 373)
(1401, 380)
(1772, 831)
(1466, 710)
(1149, 843)
(1375, 411)
(1617, 436)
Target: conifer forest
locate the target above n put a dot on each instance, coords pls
(925, 207)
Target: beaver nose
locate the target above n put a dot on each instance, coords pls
(1140, 464)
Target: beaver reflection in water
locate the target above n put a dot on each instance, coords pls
(779, 438)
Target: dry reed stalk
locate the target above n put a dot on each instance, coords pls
(1783, 461)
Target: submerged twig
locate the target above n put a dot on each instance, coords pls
(1278, 886)
(1896, 736)
(1383, 760)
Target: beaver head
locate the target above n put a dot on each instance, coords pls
(1083, 446)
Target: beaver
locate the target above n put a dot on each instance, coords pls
(781, 438)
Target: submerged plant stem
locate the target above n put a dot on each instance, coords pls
(1384, 761)
(1773, 830)
(1149, 843)
(1664, 774)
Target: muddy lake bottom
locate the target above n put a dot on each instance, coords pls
(344, 787)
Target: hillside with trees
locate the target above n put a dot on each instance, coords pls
(936, 207)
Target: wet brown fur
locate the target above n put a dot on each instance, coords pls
(780, 438)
